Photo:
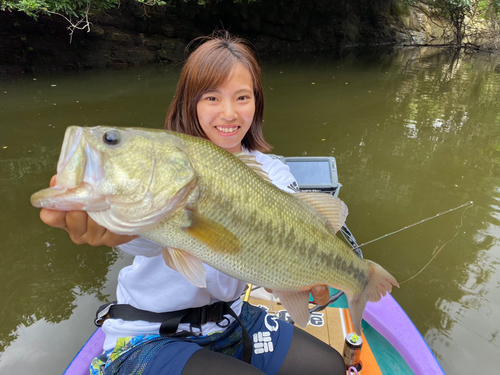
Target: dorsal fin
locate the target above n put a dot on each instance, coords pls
(331, 208)
(254, 165)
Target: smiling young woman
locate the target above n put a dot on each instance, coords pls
(219, 97)
(217, 63)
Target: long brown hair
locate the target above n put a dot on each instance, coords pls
(207, 68)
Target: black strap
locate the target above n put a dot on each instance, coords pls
(245, 337)
(170, 320)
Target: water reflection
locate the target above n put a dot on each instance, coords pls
(44, 276)
(419, 137)
(41, 273)
(415, 132)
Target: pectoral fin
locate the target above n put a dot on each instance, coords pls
(297, 305)
(331, 208)
(190, 266)
(212, 234)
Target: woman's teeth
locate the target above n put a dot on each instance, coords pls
(226, 130)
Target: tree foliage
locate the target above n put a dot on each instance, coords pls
(78, 12)
(79, 8)
(464, 16)
(75, 8)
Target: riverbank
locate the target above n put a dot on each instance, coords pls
(134, 35)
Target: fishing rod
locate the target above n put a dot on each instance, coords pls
(415, 224)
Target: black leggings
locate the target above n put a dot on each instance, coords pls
(307, 355)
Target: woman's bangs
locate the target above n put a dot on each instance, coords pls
(216, 70)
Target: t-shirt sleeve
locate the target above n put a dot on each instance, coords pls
(278, 172)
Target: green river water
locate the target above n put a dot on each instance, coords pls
(415, 132)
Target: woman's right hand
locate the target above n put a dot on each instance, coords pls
(81, 228)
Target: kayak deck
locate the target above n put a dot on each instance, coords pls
(330, 325)
(391, 342)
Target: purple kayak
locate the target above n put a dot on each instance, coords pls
(386, 317)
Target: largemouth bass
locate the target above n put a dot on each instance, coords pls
(203, 204)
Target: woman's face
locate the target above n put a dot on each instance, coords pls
(226, 113)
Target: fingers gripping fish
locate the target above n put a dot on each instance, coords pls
(203, 204)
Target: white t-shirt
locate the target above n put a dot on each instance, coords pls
(149, 284)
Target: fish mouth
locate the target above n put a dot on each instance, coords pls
(78, 170)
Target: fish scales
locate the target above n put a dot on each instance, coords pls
(204, 204)
(254, 211)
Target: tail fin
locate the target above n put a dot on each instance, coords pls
(379, 283)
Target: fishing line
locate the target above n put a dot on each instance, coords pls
(446, 243)
(468, 204)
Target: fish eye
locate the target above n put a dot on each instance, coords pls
(112, 137)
